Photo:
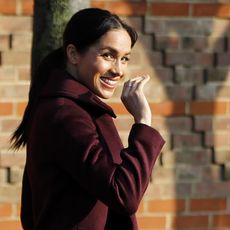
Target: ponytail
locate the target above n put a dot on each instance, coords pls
(54, 60)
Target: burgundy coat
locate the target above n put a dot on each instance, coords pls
(78, 175)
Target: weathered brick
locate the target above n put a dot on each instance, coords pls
(223, 59)
(193, 157)
(8, 74)
(3, 175)
(15, 58)
(12, 159)
(201, 43)
(24, 73)
(178, 124)
(8, 125)
(206, 92)
(217, 74)
(203, 123)
(163, 42)
(211, 173)
(188, 173)
(4, 42)
(15, 24)
(211, 189)
(15, 175)
(16, 91)
(223, 92)
(22, 41)
(189, 58)
(189, 75)
(154, 26)
(163, 175)
(187, 140)
(10, 193)
(219, 140)
(179, 92)
(222, 156)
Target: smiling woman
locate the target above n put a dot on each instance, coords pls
(78, 175)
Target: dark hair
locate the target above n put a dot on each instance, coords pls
(83, 30)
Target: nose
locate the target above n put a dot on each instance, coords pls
(118, 68)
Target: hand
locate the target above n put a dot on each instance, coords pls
(135, 101)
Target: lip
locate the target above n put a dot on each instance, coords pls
(107, 82)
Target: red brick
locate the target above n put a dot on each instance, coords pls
(127, 8)
(27, 7)
(5, 209)
(208, 204)
(98, 4)
(168, 108)
(10, 225)
(211, 9)
(170, 9)
(6, 108)
(8, 7)
(221, 220)
(190, 222)
(166, 205)
(208, 108)
(20, 108)
(147, 222)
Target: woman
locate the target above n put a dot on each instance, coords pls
(77, 173)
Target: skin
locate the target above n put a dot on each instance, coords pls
(103, 65)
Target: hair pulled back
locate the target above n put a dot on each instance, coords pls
(84, 29)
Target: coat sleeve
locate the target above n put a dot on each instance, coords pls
(120, 186)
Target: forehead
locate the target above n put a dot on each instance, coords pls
(117, 39)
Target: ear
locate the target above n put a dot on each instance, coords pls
(72, 54)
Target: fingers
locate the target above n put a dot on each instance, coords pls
(137, 82)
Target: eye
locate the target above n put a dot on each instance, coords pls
(125, 59)
(108, 56)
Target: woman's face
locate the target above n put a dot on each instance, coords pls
(103, 64)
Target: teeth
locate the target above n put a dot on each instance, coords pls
(109, 81)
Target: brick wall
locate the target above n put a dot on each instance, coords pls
(185, 46)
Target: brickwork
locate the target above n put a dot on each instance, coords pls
(185, 46)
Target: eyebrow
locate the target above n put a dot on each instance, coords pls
(113, 50)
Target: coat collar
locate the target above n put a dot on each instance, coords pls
(61, 83)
